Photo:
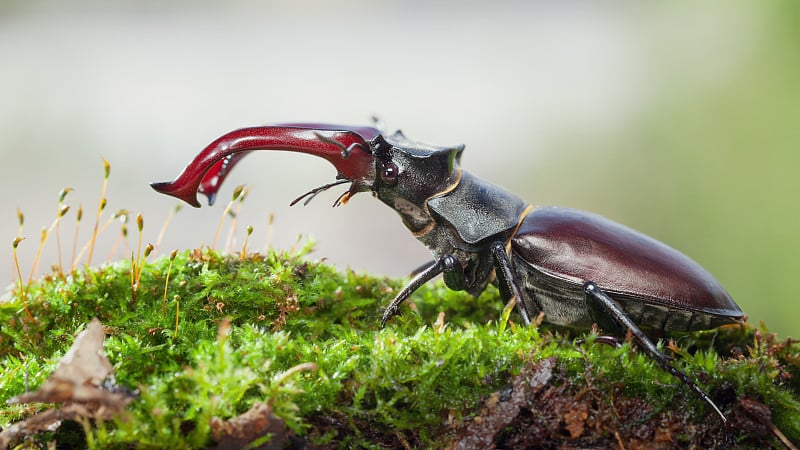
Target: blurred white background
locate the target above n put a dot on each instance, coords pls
(544, 95)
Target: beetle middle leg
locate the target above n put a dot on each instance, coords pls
(610, 311)
(507, 281)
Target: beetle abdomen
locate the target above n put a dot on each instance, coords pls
(563, 248)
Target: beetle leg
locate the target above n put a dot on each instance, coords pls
(507, 281)
(454, 276)
(600, 301)
(434, 268)
(420, 268)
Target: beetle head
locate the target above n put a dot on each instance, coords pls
(408, 173)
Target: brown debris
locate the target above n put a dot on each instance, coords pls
(255, 423)
(755, 418)
(546, 408)
(79, 372)
(575, 420)
(498, 415)
(77, 385)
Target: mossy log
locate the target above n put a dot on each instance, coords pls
(275, 351)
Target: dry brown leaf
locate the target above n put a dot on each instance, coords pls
(254, 423)
(77, 385)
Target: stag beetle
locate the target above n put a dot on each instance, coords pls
(575, 268)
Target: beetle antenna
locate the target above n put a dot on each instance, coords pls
(313, 193)
(379, 123)
(345, 150)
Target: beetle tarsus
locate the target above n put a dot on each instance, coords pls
(600, 301)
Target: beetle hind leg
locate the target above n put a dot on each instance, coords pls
(610, 311)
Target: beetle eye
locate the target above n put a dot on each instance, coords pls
(389, 174)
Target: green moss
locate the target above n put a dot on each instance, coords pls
(234, 331)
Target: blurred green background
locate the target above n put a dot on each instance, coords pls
(679, 119)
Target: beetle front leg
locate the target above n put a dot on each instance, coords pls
(448, 263)
(601, 303)
(507, 281)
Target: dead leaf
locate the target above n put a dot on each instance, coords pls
(575, 420)
(78, 384)
(254, 423)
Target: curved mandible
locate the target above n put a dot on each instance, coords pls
(347, 148)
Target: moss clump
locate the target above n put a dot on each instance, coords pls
(234, 332)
